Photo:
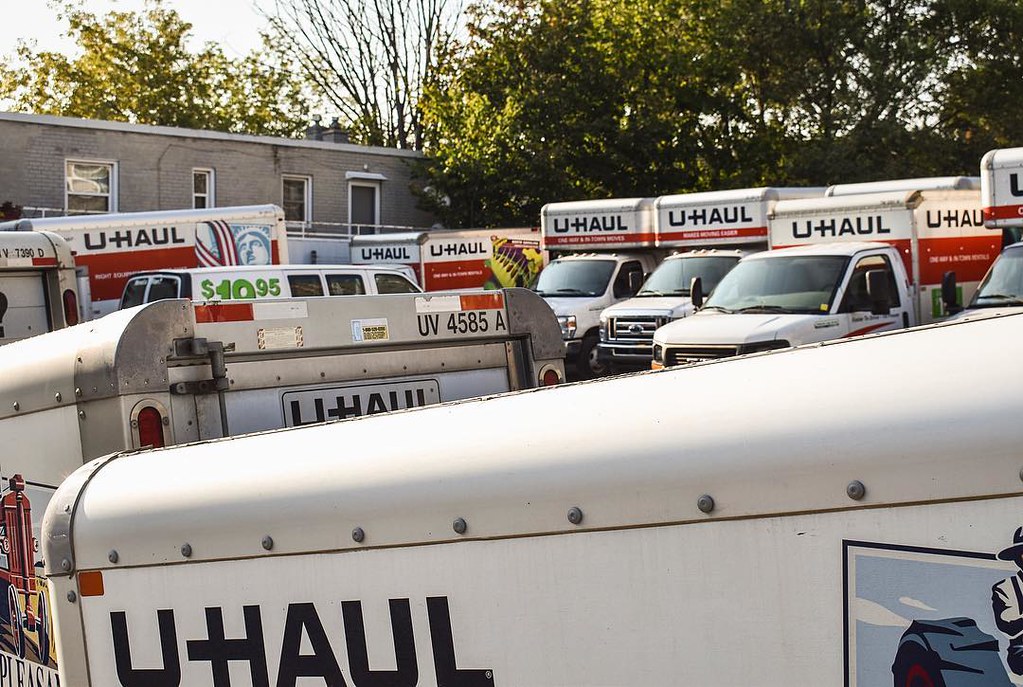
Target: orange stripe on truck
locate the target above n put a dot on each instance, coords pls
(482, 301)
(224, 312)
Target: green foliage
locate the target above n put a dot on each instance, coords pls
(136, 67)
(552, 100)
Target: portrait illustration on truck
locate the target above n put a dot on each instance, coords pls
(929, 616)
(27, 650)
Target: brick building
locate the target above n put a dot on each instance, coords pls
(57, 165)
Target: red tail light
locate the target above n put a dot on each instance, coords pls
(550, 377)
(150, 427)
(70, 307)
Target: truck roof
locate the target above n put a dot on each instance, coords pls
(242, 269)
(269, 213)
(918, 184)
(1002, 157)
(410, 474)
(907, 199)
(763, 193)
(849, 248)
(602, 205)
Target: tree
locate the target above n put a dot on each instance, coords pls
(369, 59)
(135, 67)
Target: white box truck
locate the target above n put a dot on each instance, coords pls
(111, 248)
(857, 264)
(38, 288)
(866, 541)
(711, 232)
(602, 250)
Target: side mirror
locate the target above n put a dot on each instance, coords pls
(635, 281)
(696, 292)
(949, 293)
(878, 293)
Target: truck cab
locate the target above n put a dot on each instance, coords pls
(793, 296)
(627, 328)
(1001, 291)
(579, 287)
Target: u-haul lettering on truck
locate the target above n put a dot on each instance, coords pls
(339, 403)
(702, 217)
(836, 227)
(584, 224)
(306, 650)
(133, 238)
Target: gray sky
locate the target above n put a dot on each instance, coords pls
(233, 24)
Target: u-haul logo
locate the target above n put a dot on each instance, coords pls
(306, 651)
(589, 224)
(704, 217)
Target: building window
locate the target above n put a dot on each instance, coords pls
(90, 186)
(297, 199)
(203, 189)
(363, 204)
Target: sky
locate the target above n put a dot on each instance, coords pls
(233, 24)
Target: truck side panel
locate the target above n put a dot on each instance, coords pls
(807, 599)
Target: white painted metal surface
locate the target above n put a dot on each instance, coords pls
(644, 589)
(1001, 187)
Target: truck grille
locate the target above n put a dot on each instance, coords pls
(635, 329)
(683, 355)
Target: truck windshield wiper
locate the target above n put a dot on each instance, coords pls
(1001, 297)
(716, 307)
(641, 294)
(763, 308)
(573, 292)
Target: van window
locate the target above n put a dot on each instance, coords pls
(345, 285)
(161, 288)
(305, 285)
(394, 283)
(134, 292)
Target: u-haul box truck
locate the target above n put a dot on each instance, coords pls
(38, 289)
(111, 248)
(821, 287)
(1002, 198)
(172, 371)
(867, 542)
(446, 260)
(710, 233)
(604, 249)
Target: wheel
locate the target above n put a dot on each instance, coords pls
(17, 621)
(916, 667)
(589, 365)
(43, 627)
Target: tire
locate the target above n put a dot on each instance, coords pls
(916, 667)
(43, 627)
(588, 365)
(16, 618)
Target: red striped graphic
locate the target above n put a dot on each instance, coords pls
(871, 328)
(44, 262)
(712, 234)
(224, 312)
(227, 249)
(603, 239)
(1003, 212)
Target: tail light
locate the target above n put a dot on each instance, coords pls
(550, 377)
(150, 427)
(70, 307)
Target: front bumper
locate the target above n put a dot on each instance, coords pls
(638, 354)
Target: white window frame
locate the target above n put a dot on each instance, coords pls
(307, 213)
(112, 196)
(211, 186)
(376, 198)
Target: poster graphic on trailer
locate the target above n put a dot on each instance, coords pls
(927, 616)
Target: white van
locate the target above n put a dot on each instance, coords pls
(267, 282)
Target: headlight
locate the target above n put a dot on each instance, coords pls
(658, 353)
(568, 325)
(761, 346)
(604, 331)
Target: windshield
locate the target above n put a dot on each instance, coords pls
(1003, 284)
(575, 278)
(673, 277)
(796, 284)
